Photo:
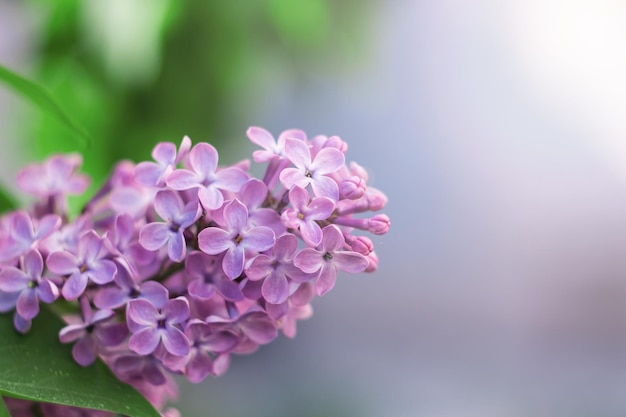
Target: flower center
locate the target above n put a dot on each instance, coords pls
(32, 284)
(237, 239)
(161, 324)
(83, 268)
(328, 256)
(308, 173)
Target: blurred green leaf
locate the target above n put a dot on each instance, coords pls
(6, 201)
(37, 367)
(42, 99)
(303, 21)
(3, 409)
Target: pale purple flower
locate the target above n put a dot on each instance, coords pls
(312, 172)
(304, 214)
(329, 258)
(256, 325)
(177, 218)
(151, 326)
(206, 178)
(127, 289)
(87, 265)
(207, 277)
(272, 148)
(208, 342)
(277, 268)
(253, 195)
(25, 234)
(235, 238)
(95, 331)
(147, 367)
(151, 174)
(56, 176)
(29, 283)
(295, 312)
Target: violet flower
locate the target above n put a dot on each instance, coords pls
(151, 326)
(329, 258)
(234, 238)
(31, 286)
(207, 277)
(169, 206)
(127, 289)
(303, 215)
(151, 174)
(206, 178)
(56, 176)
(93, 333)
(87, 265)
(277, 268)
(312, 171)
(25, 234)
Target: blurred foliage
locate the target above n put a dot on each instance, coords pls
(135, 72)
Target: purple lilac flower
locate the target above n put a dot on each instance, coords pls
(296, 308)
(29, 283)
(127, 289)
(207, 277)
(122, 243)
(94, 332)
(206, 177)
(152, 174)
(87, 265)
(378, 224)
(169, 206)
(253, 194)
(277, 269)
(56, 176)
(234, 238)
(208, 343)
(312, 171)
(148, 367)
(329, 258)
(24, 234)
(304, 214)
(258, 327)
(151, 326)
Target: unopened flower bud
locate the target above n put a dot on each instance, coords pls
(372, 266)
(379, 224)
(352, 188)
(360, 244)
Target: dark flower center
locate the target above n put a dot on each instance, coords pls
(328, 256)
(32, 284)
(237, 239)
(161, 324)
(308, 174)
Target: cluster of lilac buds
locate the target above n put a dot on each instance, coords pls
(178, 263)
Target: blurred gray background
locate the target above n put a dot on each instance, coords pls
(497, 130)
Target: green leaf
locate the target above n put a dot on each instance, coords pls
(36, 366)
(44, 100)
(3, 409)
(6, 203)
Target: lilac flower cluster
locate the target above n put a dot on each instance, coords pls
(177, 263)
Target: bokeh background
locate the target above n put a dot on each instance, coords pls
(496, 128)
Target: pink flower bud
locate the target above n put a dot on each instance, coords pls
(360, 244)
(376, 199)
(379, 224)
(372, 258)
(352, 188)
